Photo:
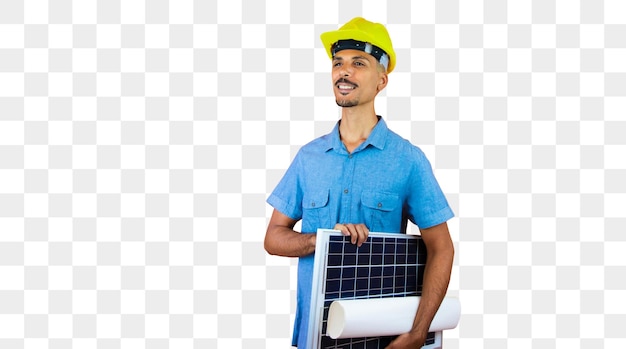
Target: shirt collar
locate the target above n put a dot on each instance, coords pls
(376, 138)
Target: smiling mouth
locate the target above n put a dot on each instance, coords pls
(342, 87)
(345, 86)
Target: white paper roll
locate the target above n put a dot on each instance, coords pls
(385, 316)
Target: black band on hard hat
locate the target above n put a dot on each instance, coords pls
(366, 47)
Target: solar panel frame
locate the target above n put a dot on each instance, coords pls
(386, 265)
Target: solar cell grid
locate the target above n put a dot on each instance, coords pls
(386, 265)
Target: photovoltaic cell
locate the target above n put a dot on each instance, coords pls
(386, 265)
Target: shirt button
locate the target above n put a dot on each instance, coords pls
(350, 156)
(346, 191)
(380, 204)
(312, 204)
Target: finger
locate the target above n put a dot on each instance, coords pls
(358, 233)
(354, 234)
(350, 229)
(342, 229)
(363, 232)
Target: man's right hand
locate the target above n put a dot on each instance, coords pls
(358, 232)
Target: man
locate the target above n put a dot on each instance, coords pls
(361, 177)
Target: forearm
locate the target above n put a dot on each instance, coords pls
(435, 285)
(283, 241)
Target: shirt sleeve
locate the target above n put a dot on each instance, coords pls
(287, 196)
(427, 205)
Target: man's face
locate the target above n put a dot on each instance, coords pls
(356, 78)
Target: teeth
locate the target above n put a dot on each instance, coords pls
(345, 87)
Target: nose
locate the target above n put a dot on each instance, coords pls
(345, 70)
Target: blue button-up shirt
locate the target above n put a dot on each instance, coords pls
(385, 182)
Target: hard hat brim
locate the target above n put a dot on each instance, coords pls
(331, 37)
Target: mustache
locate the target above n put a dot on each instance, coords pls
(345, 81)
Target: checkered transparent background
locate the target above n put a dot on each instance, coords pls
(139, 140)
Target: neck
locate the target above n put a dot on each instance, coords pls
(356, 125)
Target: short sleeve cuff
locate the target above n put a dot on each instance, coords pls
(435, 218)
(284, 207)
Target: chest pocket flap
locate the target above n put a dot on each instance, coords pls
(315, 200)
(379, 200)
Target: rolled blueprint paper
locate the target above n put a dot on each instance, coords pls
(375, 317)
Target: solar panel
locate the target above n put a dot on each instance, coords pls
(386, 265)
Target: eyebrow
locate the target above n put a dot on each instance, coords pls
(355, 57)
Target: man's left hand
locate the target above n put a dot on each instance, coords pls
(406, 341)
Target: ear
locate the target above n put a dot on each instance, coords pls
(382, 81)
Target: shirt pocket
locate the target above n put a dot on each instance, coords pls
(315, 211)
(381, 211)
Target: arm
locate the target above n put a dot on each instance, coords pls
(282, 240)
(436, 278)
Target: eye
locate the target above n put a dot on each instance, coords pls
(359, 64)
(336, 64)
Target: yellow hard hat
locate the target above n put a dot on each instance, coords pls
(356, 34)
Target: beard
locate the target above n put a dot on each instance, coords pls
(345, 103)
